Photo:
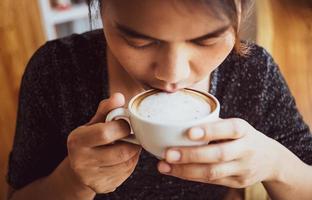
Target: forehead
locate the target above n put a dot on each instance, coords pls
(163, 19)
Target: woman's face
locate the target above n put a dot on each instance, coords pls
(166, 44)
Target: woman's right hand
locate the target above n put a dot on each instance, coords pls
(96, 157)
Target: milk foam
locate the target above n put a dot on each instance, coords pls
(173, 107)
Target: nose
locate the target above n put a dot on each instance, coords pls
(173, 64)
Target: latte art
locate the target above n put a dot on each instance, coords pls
(158, 120)
(181, 106)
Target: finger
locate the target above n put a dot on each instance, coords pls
(211, 153)
(200, 172)
(224, 129)
(119, 169)
(233, 182)
(114, 154)
(99, 134)
(105, 106)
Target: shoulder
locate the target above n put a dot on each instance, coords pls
(91, 39)
(76, 47)
(82, 46)
(254, 68)
(68, 67)
(67, 77)
(256, 60)
(77, 53)
(245, 81)
(256, 54)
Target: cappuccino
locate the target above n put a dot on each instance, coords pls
(160, 120)
(181, 106)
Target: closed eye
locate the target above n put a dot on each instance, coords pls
(140, 43)
(207, 42)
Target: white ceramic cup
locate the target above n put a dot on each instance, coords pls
(156, 137)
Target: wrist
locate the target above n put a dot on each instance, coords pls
(292, 177)
(69, 183)
(284, 162)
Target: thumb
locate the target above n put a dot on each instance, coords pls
(115, 101)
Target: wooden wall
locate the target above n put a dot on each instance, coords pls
(285, 30)
(20, 35)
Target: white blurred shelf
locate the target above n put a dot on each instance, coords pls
(73, 13)
(59, 23)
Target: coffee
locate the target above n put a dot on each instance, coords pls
(181, 106)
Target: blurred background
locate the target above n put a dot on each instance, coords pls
(283, 27)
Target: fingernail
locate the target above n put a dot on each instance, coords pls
(197, 133)
(164, 167)
(173, 155)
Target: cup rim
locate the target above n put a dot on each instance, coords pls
(197, 121)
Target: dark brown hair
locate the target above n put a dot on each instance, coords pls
(219, 8)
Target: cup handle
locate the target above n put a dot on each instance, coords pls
(122, 113)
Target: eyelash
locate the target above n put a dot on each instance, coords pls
(157, 43)
(204, 45)
(144, 46)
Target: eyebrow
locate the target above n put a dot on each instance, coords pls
(134, 34)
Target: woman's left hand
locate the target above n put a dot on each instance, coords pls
(238, 157)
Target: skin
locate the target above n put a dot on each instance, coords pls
(85, 171)
(170, 56)
(175, 58)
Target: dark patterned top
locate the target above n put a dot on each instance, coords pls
(67, 78)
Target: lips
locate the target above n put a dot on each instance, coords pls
(169, 89)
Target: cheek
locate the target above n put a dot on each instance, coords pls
(208, 59)
(135, 62)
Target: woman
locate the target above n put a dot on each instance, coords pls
(62, 150)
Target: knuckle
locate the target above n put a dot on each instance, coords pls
(248, 151)
(122, 125)
(251, 172)
(210, 174)
(222, 155)
(95, 187)
(123, 154)
(207, 132)
(84, 179)
(239, 125)
(72, 141)
(103, 133)
(192, 155)
(100, 190)
(98, 186)
(129, 164)
(239, 121)
(179, 169)
(103, 136)
(76, 166)
(102, 105)
(110, 190)
(130, 168)
(243, 182)
(248, 172)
